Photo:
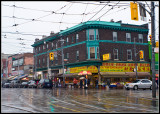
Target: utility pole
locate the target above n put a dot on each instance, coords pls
(153, 46)
(7, 67)
(135, 54)
(48, 63)
(62, 41)
(35, 73)
(152, 15)
(18, 65)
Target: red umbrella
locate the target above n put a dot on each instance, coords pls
(85, 73)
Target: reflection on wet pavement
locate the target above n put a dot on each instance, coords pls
(81, 100)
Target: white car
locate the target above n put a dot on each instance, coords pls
(139, 83)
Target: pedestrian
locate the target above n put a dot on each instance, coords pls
(81, 83)
(74, 82)
(85, 83)
(108, 82)
(157, 81)
(88, 83)
(96, 83)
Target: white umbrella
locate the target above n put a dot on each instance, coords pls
(81, 78)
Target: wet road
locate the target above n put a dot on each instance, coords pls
(19, 100)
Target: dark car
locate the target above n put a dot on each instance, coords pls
(45, 83)
(24, 84)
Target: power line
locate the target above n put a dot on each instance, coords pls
(21, 33)
(98, 11)
(107, 11)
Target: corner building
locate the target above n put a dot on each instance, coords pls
(84, 46)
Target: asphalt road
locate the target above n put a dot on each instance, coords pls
(31, 100)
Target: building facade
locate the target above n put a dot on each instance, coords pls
(20, 64)
(85, 47)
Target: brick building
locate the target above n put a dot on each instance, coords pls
(84, 46)
(25, 61)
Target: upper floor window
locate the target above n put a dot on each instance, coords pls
(114, 36)
(91, 34)
(97, 34)
(39, 48)
(47, 46)
(129, 54)
(39, 61)
(77, 37)
(97, 52)
(77, 55)
(115, 52)
(128, 37)
(43, 47)
(56, 46)
(72, 39)
(52, 44)
(140, 37)
(67, 41)
(92, 52)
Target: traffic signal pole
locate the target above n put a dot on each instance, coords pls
(152, 15)
(153, 46)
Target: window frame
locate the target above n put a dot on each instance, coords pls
(90, 52)
(127, 37)
(140, 38)
(114, 35)
(130, 55)
(115, 49)
(77, 55)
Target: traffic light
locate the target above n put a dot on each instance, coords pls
(150, 37)
(141, 54)
(157, 44)
(134, 11)
(51, 56)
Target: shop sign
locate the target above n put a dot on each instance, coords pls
(78, 69)
(106, 56)
(93, 69)
(124, 67)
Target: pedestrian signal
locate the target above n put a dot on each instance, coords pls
(134, 11)
(51, 56)
(141, 54)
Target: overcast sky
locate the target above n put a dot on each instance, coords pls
(39, 18)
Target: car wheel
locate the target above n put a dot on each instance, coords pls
(135, 87)
(151, 87)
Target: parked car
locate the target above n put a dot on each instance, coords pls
(5, 81)
(32, 84)
(139, 84)
(24, 84)
(6, 85)
(45, 83)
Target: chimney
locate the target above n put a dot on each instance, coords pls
(119, 21)
(36, 39)
(52, 33)
(111, 20)
(44, 36)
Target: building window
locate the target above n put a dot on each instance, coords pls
(97, 34)
(77, 55)
(52, 44)
(97, 52)
(66, 56)
(140, 37)
(77, 37)
(56, 45)
(114, 36)
(67, 41)
(43, 47)
(72, 39)
(92, 52)
(47, 46)
(56, 59)
(39, 48)
(39, 61)
(128, 37)
(115, 52)
(43, 60)
(129, 54)
(91, 34)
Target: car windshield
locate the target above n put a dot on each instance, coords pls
(136, 81)
(24, 82)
